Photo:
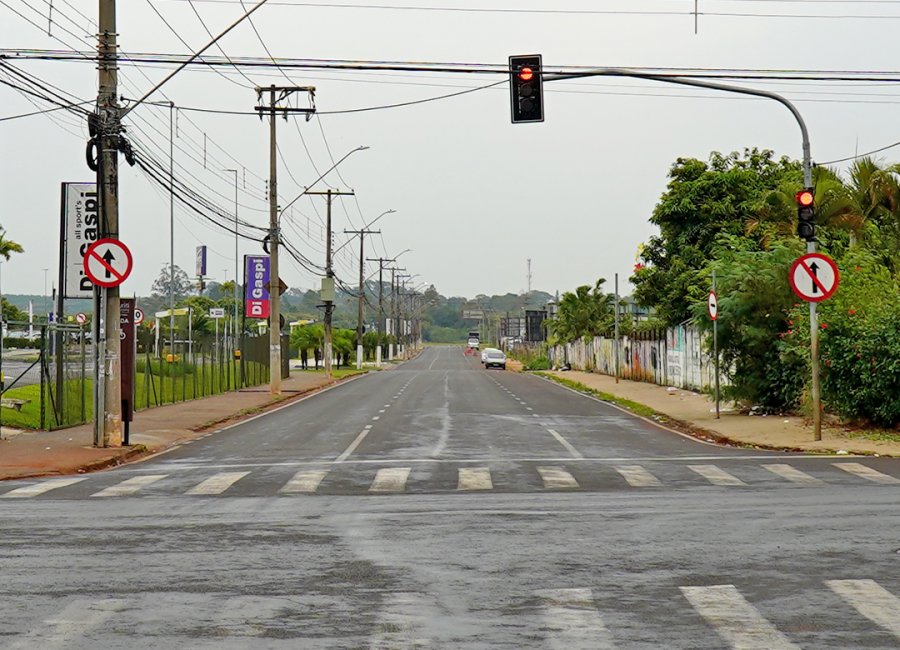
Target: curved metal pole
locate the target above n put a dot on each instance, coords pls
(807, 182)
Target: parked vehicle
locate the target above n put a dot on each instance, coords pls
(494, 358)
(485, 351)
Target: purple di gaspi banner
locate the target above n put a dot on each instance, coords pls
(256, 278)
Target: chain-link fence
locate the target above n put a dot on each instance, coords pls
(48, 371)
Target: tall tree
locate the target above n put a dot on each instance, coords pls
(182, 283)
(703, 201)
(586, 312)
(7, 246)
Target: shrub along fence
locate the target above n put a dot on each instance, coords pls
(673, 357)
(49, 383)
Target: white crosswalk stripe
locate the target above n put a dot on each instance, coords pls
(872, 601)
(217, 483)
(41, 488)
(129, 486)
(716, 475)
(390, 479)
(304, 481)
(792, 474)
(474, 478)
(867, 473)
(637, 476)
(67, 629)
(571, 620)
(738, 622)
(556, 478)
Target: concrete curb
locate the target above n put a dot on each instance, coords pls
(703, 435)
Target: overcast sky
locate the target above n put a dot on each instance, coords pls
(475, 195)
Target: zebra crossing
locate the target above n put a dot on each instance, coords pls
(558, 617)
(363, 478)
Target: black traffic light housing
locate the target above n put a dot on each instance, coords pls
(526, 88)
(806, 214)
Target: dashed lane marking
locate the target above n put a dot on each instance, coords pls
(304, 481)
(867, 473)
(217, 483)
(637, 476)
(129, 486)
(872, 601)
(565, 443)
(557, 478)
(571, 620)
(792, 474)
(41, 488)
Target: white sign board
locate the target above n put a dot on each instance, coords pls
(217, 312)
(712, 305)
(79, 229)
(814, 277)
(108, 262)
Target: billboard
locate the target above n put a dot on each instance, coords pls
(79, 228)
(256, 278)
(201, 262)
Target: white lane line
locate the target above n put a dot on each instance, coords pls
(382, 410)
(474, 478)
(871, 600)
(353, 445)
(400, 624)
(792, 474)
(867, 473)
(556, 478)
(67, 629)
(716, 475)
(528, 408)
(129, 486)
(637, 476)
(571, 620)
(305, 481)
(41, 488)
(377, 417)
(390, 479)
(565, 443)
(217, 483)
(738, 622)
(387, 406)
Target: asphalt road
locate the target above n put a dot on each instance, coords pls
(439, 505)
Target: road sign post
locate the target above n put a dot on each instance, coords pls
(712, 306)
(814, 277)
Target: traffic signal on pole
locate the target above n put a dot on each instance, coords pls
(806, 214)
(526, 88)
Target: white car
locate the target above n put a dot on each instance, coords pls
(473, 343)
(494, 357)
(485, 351)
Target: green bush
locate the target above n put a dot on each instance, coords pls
(538, 363)
(859, 342)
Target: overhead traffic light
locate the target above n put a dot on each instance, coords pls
(526, 88)
(806, 214)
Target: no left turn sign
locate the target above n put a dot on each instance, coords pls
(814, 277)
(107, 262)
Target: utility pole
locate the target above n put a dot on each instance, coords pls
(276, 94)
(401, 334)
(329, 275)
(108, 390)
(362, 290)
(380, 325)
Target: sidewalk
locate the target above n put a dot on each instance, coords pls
(70, 451)
(696, 412)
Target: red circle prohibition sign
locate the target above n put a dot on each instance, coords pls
(103, 253)
(810, 286)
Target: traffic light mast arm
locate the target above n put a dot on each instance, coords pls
(682, 81)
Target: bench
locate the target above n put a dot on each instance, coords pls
(12, 403)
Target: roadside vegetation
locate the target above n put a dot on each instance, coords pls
(736, 214)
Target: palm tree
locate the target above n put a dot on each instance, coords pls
(586, 312)
(7, 246)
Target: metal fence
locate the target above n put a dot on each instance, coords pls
(48, 371)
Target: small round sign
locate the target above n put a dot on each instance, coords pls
(712, 305)
(814, 277)
(107, 262)
(81, 318)
(138, 316)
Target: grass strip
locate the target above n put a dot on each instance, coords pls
(635, 407)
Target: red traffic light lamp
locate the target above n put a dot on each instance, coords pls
(526, 74)
(806, 214)
(526, 88)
